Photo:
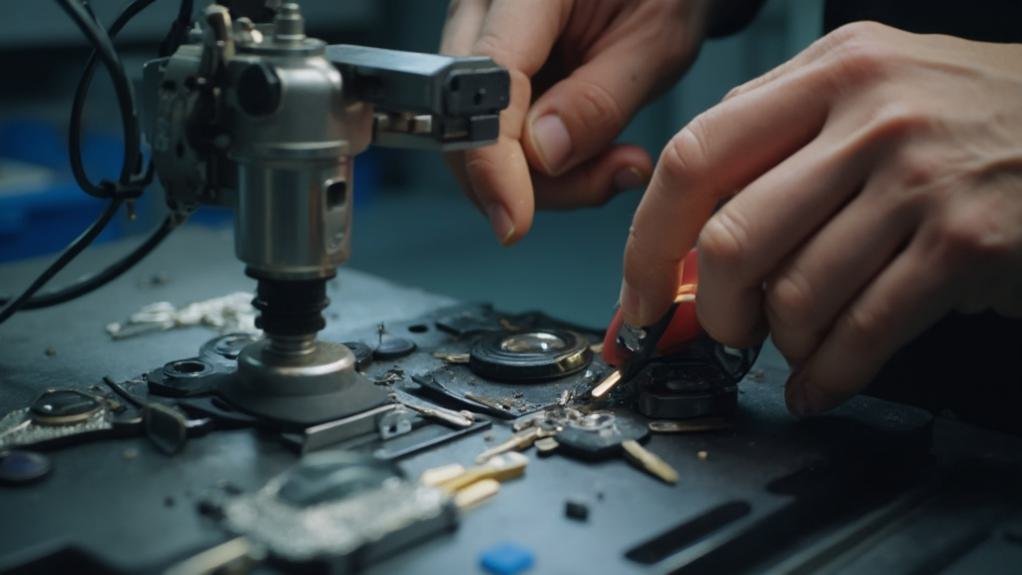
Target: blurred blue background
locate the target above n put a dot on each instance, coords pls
(411, 222)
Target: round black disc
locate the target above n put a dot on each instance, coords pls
(63, 406)
(532, 355)
(393, 348)
(20, 467)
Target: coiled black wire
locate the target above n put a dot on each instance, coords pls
(130, 183)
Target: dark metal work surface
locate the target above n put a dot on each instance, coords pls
(874, 487)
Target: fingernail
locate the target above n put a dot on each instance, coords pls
(551, 138)
(802, 398)
(629, 178)
(501, 222)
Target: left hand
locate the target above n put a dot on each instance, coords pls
(877, 182)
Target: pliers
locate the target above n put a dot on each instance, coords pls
(630, 349)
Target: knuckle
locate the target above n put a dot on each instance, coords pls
(600, 105)
(855, 54)
(862, 326)
(491, 44)
(723, 241)
(686, 156)
(971, 235)
(897, 121)
(789, 301)
(916, 169)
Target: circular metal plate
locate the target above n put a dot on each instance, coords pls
(64, 407)
(533, 355)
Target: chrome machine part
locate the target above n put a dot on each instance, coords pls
(260, 117)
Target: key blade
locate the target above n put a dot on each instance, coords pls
(649, 461)
(607, 384)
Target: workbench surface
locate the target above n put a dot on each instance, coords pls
(873, 487)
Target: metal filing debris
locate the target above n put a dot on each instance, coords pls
(229, 313)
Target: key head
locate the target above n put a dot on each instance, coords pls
(598, 435)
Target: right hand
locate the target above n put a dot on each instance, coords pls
(579, 72)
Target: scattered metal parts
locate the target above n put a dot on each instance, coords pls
(576, 509)
(691, 425)
(599, 434)
(535, 355)
(476, 493)
(649, 461)
(546, 445)
(613, 378)
(517, 442)
(455, 358)
(237, 555)
(23, 467)
(395, 422)
(565, 397)
(335, 504)
(229, 313)
(393, 348)
(501, 408)
(703, 455)
(391, 377)
(437, 475)
(500, 467)
(450, 417)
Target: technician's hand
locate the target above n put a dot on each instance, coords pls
(579, 71)
(877, 182)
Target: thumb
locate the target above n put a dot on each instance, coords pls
(580, 116)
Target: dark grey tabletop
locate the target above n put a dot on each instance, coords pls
(873, 487)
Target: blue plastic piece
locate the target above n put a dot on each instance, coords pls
(506, 559)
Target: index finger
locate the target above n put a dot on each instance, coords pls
(517, 34)
(714, 156)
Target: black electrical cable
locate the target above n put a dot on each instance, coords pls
(72, 250)
(98, 280)
(103, 49)
(129, 185)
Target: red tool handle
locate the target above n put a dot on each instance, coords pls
(684, 326)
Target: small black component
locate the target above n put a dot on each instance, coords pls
(166, 427)
(259, 90)
(659, 403)
(576, 509)
(23, 467)
(393, 348)
(63, 407)
(208, 508)
(534, 355)
(363, 353)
